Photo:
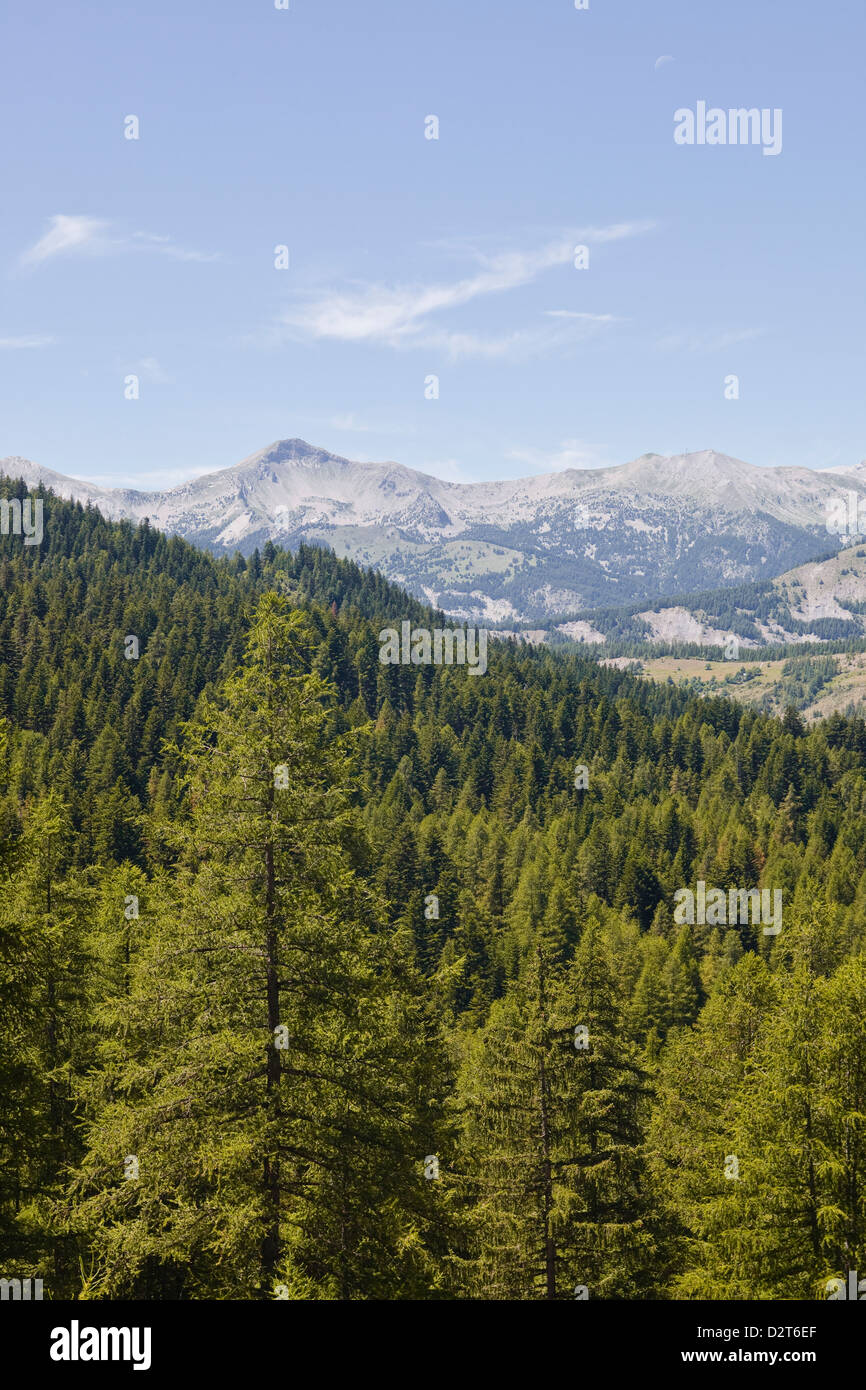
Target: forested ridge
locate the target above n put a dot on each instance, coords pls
(322, 978)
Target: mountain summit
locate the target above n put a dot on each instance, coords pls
(521, 549)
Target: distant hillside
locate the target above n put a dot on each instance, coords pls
(822, 601)
(712, 643)
(536, 550)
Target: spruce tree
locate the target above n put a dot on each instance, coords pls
(266, 1125)
(554, 1102)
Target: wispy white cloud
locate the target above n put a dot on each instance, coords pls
(351, 424)
(148, 241)
(571, 453)
(392, 315)
(519, 344)
(66, 234)
(401, 316)
(149, 480)
(665, 58)
(32, 340)
(574, 314)
(348, 422)
(152, 370)
(93, 236)
(449, 470)
(483, 249)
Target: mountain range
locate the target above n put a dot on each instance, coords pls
(518, 551)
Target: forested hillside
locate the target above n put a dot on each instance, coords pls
(322, 978)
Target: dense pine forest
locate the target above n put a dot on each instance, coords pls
(328, 979)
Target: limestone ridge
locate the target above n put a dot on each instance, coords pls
(522, 549)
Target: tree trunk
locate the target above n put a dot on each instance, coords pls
(271, 1175)
(546, 1166)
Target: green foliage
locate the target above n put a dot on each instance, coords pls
(256, 833)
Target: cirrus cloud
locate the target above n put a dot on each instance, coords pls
(93, 236)
(402, 316)
(28, 340)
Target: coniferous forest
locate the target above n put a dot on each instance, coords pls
(328, 979)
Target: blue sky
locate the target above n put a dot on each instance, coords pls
(411, 257)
